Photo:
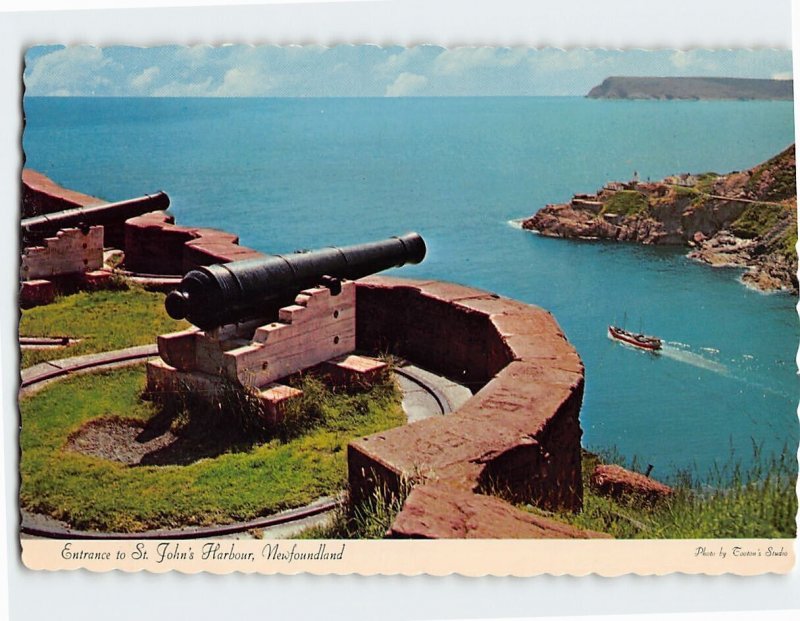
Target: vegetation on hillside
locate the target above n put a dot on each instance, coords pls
(731, 502)
(758, 219)
(625, 203)
(775, 179)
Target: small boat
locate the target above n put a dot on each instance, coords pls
(642, 341)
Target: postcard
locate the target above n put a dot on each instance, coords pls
(408, 310)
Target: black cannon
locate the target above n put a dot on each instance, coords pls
(230, 292)
(108, 214)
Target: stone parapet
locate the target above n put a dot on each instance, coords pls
(154, 244)
(440, 511)
(519, 436)
(42, 195)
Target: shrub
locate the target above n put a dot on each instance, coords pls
(757, 219)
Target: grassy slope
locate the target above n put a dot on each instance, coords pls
(93, 493)
(732, 504)
(103, 320)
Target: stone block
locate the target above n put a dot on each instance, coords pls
(275, 397)
(98, 279)
(438, 511)
(214, 247)
(154, 244)
(617, 482)
(36, 293)
(353, 372)
(178, 348)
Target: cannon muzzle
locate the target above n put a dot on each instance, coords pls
(214, 295)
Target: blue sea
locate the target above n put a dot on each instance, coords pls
(302, 173)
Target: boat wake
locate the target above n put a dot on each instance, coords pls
(680, 352)
(676, 352)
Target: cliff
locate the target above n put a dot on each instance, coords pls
(691, 88)
(743, 219)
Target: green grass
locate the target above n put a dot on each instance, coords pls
(732, 503)
(625, 203)
(757, 219)
(682, 190)
(368, 520)
(705, 182)
(236, 481)
(103, 320)
(789, 241)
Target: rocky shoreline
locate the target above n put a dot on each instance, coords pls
(741, 219)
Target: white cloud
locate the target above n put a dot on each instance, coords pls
(464, 59)
(399, 61)
(782, 75)
(145, 79)
(406, 84)
(246, 82)
(701, 62)
(563, 60)
(193, 56)
(75, 70)
(680, 59)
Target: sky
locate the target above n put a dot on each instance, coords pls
(367, 70)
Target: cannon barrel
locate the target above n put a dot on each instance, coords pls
(214, 295)
(106, 213)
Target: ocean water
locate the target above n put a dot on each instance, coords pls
(302, 173)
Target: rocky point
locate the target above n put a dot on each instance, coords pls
(742, 219)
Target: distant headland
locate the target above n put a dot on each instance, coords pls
(617, 87)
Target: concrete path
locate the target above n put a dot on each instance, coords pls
(426, 394)
(36, 377)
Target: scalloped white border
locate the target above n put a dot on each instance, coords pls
(568, 23)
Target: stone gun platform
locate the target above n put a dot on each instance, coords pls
(318, 328)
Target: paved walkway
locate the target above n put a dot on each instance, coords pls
(426, 394)
(39, 375)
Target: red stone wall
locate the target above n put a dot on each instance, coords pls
(41, 195)
(452, 340)
(154, 244)
(519, 436)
